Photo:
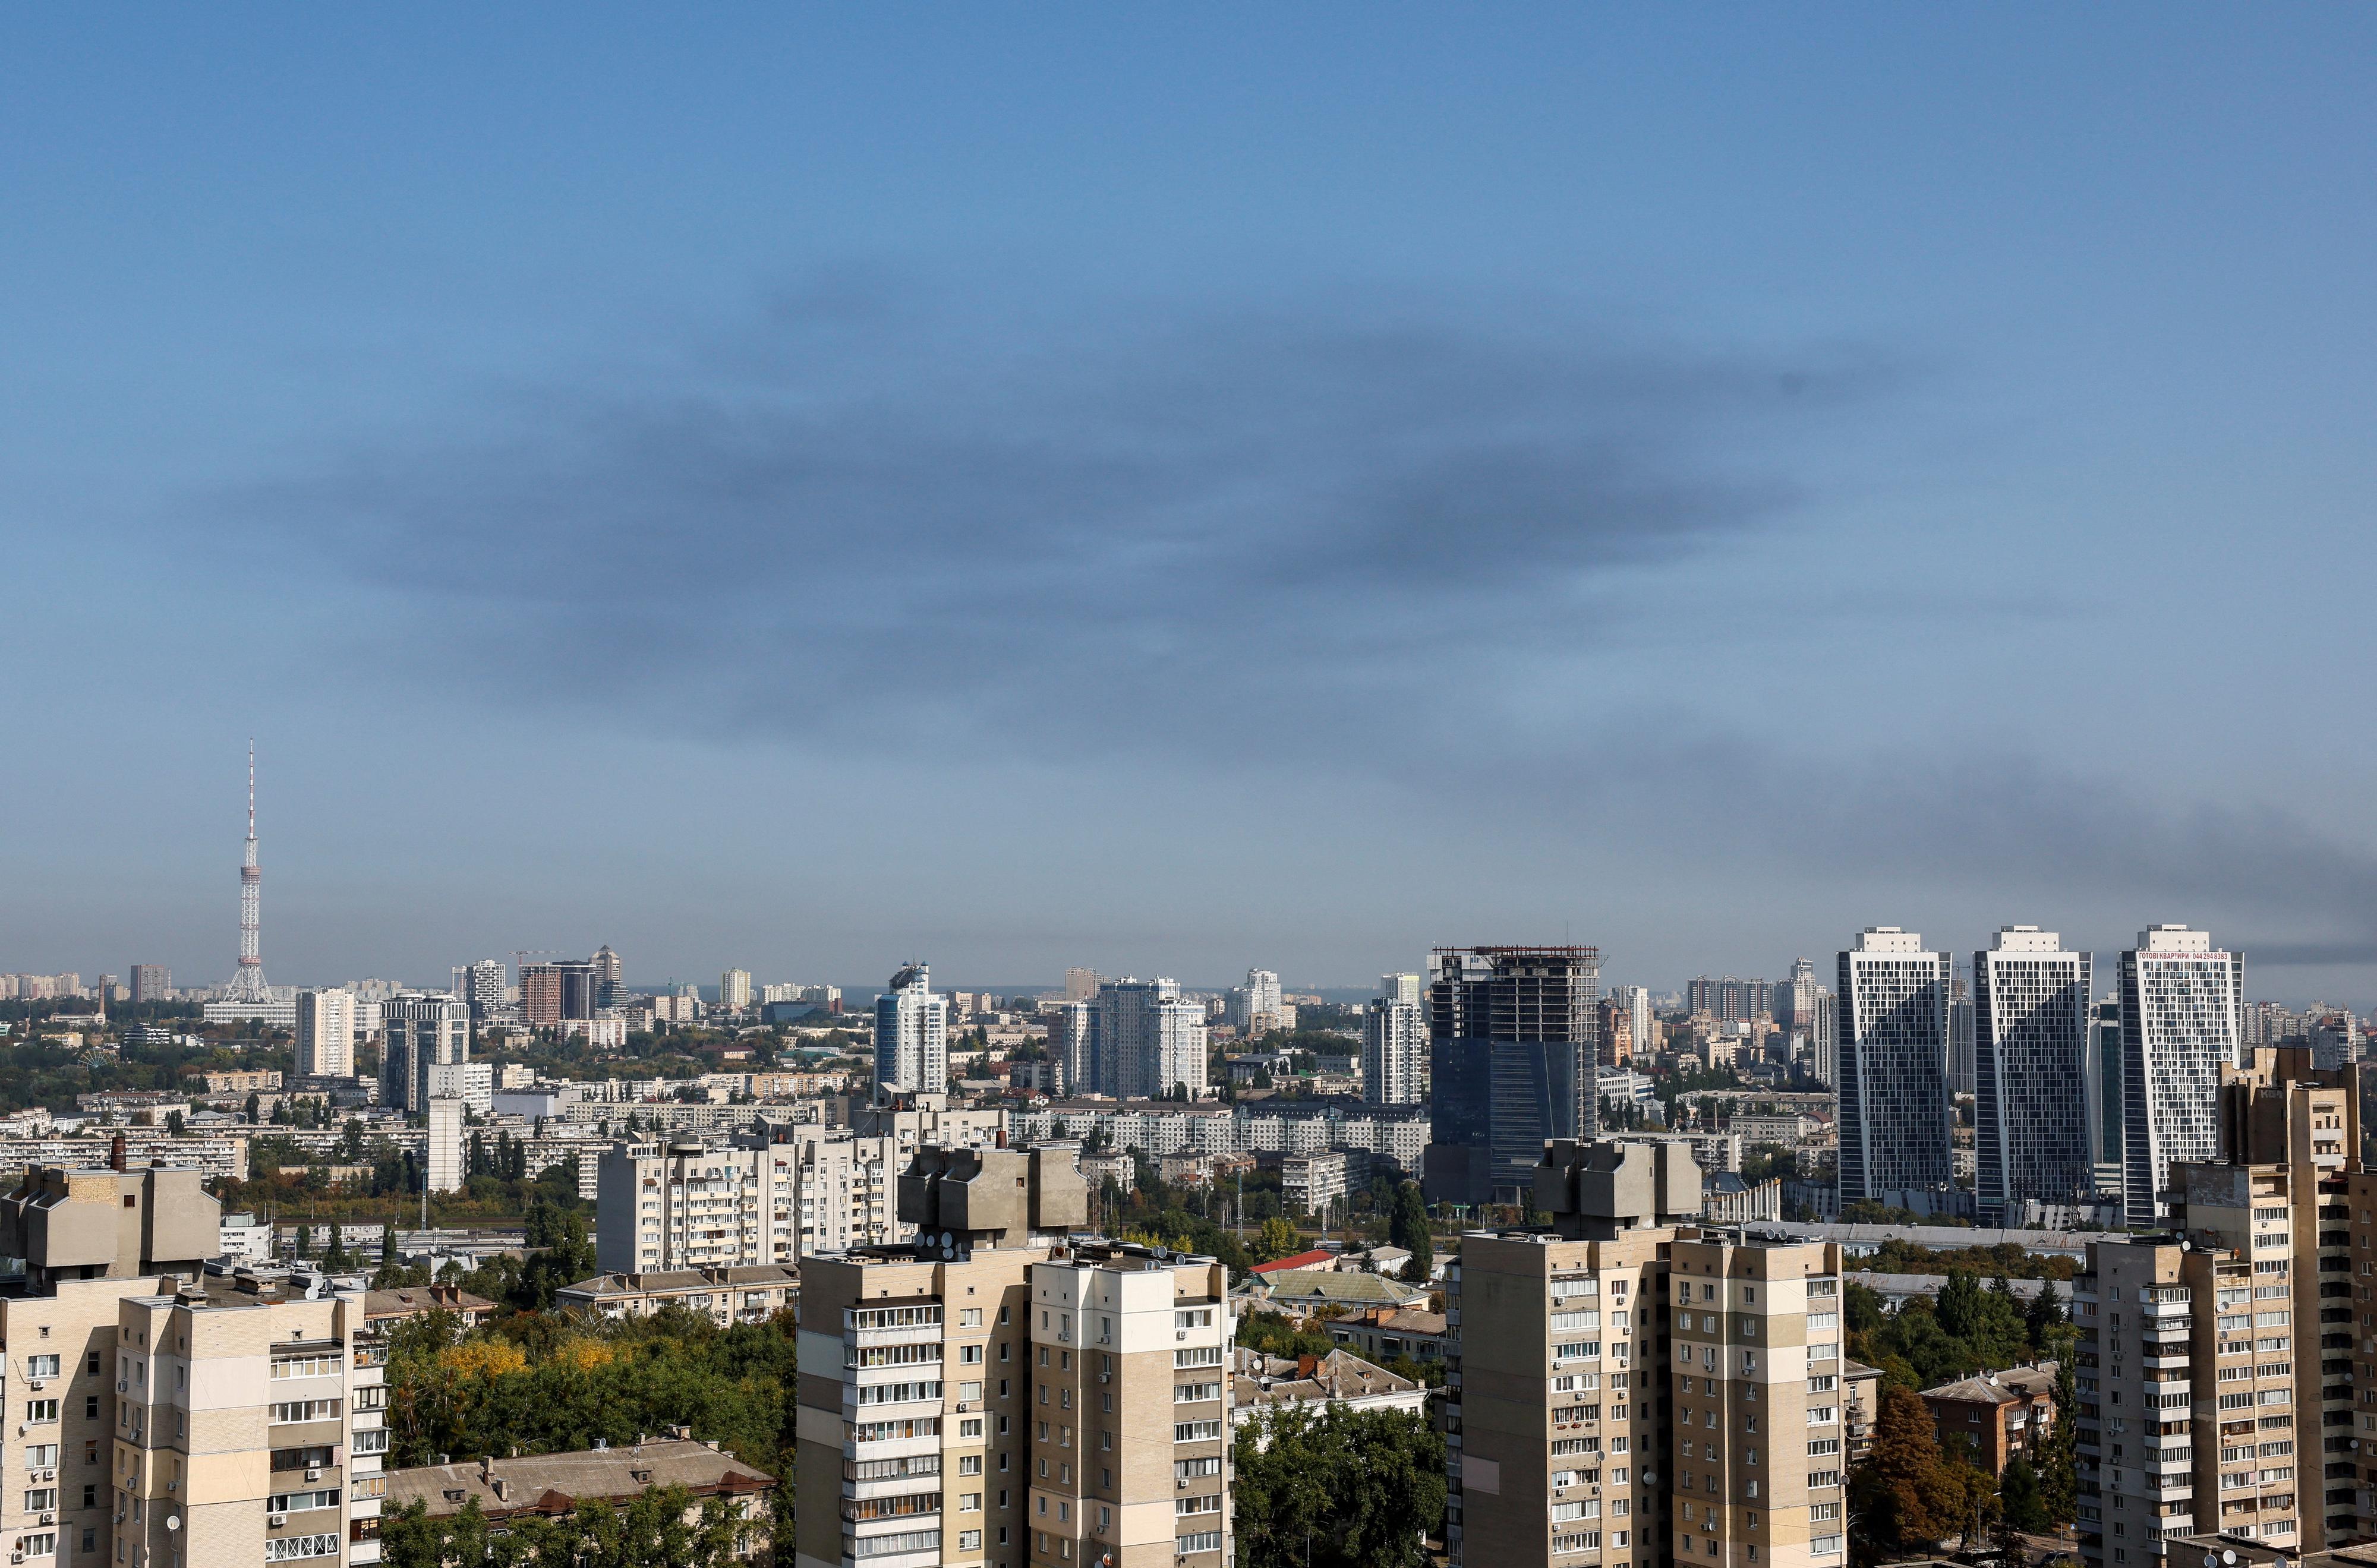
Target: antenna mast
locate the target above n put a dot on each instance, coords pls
(247, 985)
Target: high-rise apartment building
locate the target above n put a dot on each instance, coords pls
(1137, 1039)
(540, 987)
(610, 982)
(1634, 1387)
(1963, 1035)
(1729, 1000)
(1394, 1044)
(2030, 1015)
(912, 1035)
(1895, 1112)
(1795, 999)
(484, 986)
(2105, 1090)
(447, 1169)
(734, 989)
(2182, 1004)
(772, 1195)
(423, 1029)
(1824, 1039)
(173, 1416)
(1255, 1007)
(150, 982)
(687, 1205)
(2216, 1360)
(1512, 1055)
(997, 1395)
(326, 1033)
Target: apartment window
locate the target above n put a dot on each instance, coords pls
(41, 1411)
(41, 1366)
(91, 1407)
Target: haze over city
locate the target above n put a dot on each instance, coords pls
(1064, 488)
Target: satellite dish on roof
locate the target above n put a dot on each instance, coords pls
(2228, 1556)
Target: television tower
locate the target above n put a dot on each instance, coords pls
(247, 985)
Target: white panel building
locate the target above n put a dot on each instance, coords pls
(1394, 1044)
(2030, 1015)
(326, 1033)
(912, 1035)
(1895, 1114)
(2182, 1014)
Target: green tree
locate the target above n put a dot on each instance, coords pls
(304, 1240)
(1906, 1493)
(1276, 1240)
(2044, 1315)
(2058, 1452)
(1408, 1229)
(1960, 1307)
(1342, 1488)
(2021, 1500)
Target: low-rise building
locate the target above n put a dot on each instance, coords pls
(2000, 1414)
(727, 1296)
(1387, 1333)
(551, 1485)
(1308, 1290)
(383, 1309)
(1266, 1384)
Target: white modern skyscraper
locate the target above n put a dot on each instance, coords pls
(734, 989)
(1255, 1006)
(2030, 1021)
(1895, 1112)
(912, 1035)
(1394, 1043)
(326, 1033)
(484, 985)
(2183, 1013)
(1138, 1040)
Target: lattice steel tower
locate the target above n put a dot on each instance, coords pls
(249, 985)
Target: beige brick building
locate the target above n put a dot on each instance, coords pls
(1569, 1346)
(160, 1415)
(996, 1394)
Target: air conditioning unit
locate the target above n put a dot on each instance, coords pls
(49, 1518)
(122, 1386)
(40, 1382)
(276, 1520)
(313, 1472)
(1180, 1334)
(1181, 1484)
(49, 1475)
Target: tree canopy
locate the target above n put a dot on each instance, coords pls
(1340, 1489)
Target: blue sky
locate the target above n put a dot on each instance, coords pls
(1173, 492)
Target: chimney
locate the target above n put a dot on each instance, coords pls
(116, 1153)
(486, 1469)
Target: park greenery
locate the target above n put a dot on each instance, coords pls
(1969, 1329)
(539, 1382)
(1339, 1488)
(650, 1530)
(1913, 1493)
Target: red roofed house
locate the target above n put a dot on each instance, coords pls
(1301, 1260)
